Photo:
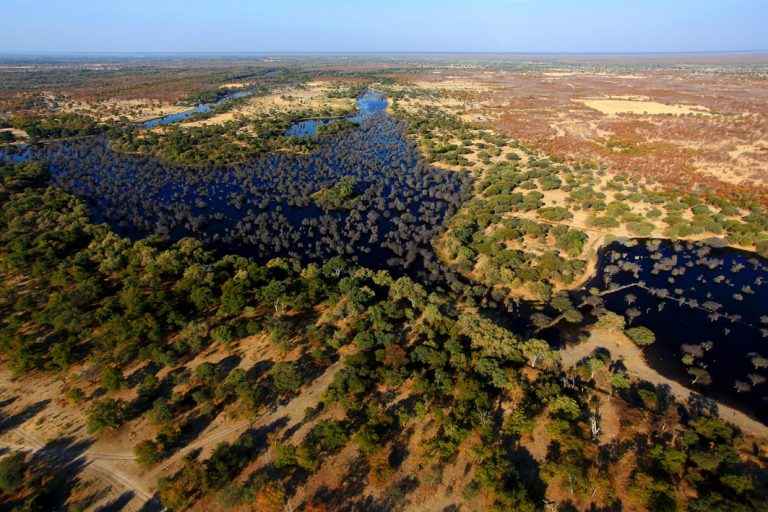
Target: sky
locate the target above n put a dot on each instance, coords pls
(520, 26)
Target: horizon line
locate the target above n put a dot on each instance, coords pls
(375, 52)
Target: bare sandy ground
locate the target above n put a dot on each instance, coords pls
(630, 106)
(453, 84)
(621, 347)
(19, 134)
(134, 110)
(314, 96)
(36, 420)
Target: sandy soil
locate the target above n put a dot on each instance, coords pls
(621, 347)
(627, 106)
(453, 84)
(135, 110)
(571, 113)
(314, 96)
(19, 134)
(37, 420)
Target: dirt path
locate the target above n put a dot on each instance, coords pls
(621, 347)
(93, 464)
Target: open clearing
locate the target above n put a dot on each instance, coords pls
(614, 107)
(291, 99)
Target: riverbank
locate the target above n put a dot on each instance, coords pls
(621, 347)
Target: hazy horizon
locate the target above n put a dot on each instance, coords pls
(341, 26)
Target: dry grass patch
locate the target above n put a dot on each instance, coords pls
(612, 107)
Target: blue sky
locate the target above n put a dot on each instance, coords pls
(392, 25)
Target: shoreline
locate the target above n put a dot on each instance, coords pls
(621, 347)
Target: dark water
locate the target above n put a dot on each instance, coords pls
(201, 108)
(696, 294)
(263, 208)
(368, 104)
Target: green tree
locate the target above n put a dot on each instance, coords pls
(160, 412)
(539, 353)
(206, 372)
(106, 413)
(610, 321)
(286, 377)
(642, 336)
(738, 483)
(147, 453)
(285, 456)
(111, 379)
(566, 407)
(406, 288)
(274, 293)
(618, 380)
(75, 396)
(11, 472)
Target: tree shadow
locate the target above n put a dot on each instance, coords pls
(152, 505)
(528, 470)
(13, 421)
(227, 364)
(309, 369)
(399, 453)
(8, 401)
(62, 461)
(354, 483)
(258, 370)
(118, 503)
(139, 375)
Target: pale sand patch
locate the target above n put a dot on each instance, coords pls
(631, 106)
(415, 104)
(235, 85)
(747, 163)
(557, 74)
(136, 110)
(283, 100)
(453, 85)
(19, 134)
(621, 347)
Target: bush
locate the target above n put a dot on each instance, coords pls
(640, 228)
(11, 472)
(111, 379)
(107, 413)
(604, 222)
(642, 336)
(75, 396)
(147, 453)
(286, 377)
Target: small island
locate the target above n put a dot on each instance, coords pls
(339, 196)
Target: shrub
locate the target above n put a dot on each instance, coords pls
(604, 222)
(111, 379)
(11, 472)
(107, 413)
(642, 336)
(640, 228)
(286, 377)
(147, 453)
